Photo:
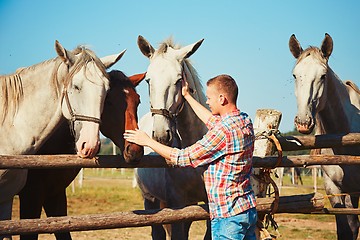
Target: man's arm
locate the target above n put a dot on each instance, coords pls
(141, 138)
(202, 112)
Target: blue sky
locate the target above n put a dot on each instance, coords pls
(246, 39)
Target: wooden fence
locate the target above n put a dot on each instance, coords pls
(308, 203)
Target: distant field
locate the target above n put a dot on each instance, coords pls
(110, 190)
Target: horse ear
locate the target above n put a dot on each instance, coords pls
(327, 46)
(145, 47)
(187, 51)
(109, 61)
(66, 56)
(295, 47)
(137, 78)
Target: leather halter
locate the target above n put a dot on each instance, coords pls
(166, 113)
(76, 117)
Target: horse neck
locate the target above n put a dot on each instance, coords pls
(38, 112)
(335, 116)
(190, 127)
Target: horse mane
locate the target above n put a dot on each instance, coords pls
(12, 93)
(194, 80)
(86, 56)
(12, 87)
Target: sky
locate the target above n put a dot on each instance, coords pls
(245, 39)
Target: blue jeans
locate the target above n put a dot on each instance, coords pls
(238, 227)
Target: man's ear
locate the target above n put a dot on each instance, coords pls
(222, 99)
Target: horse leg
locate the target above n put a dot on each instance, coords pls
(157, 231)
(11, 182)
(5, 214)
(167, 227)
(31, 201)
(342, 224)
(208, 230)
(353, 220)
(178, 229)
(56, 206)
(187, 225)
(298, 174)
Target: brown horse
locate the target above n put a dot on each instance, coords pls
(47, 187)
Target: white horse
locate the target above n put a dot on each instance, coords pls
(332, 106)
(172, 122)
(34, 101)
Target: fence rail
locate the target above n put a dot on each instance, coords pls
(288, 143)
(109, 161)
(305, 203)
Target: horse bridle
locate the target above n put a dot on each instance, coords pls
(165, 112)
(76, 117)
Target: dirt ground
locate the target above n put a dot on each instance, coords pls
(94, 198)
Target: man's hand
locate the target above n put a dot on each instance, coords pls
(185, 86)
(137, 136)
(141, 138)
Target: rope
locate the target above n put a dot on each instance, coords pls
(265, 175)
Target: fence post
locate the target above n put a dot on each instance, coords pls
(265, 120)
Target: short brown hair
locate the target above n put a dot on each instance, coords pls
(226, 84)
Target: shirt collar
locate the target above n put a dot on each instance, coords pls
(232, 113)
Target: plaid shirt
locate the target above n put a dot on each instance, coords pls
(226, 150)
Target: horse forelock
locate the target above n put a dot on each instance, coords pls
(194, 80)
(314, 52)
(84, 57)
(169, 42)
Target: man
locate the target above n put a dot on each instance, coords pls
(227, 150)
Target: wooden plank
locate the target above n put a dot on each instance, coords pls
(339, 211)
(110, 161)
(139, 218)
(291, 143)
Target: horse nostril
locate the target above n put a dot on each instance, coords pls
(127, 149)
(83, 145)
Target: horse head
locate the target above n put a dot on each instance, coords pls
(120, 110)
(310, 73)
(85, 84)
(164, 75)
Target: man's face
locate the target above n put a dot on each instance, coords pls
(212, 99)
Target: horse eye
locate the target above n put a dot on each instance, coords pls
(77, 88)
(323, 77)
(294, 76)
(178, 81)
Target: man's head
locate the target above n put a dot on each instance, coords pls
(221, 93)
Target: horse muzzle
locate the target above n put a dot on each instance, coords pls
(305, 126)
(132, 153)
